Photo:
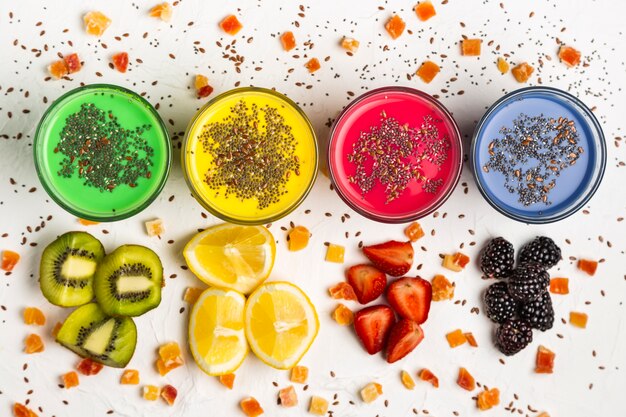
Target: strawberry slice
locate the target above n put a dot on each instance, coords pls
(410, 298)
(367, 281)
(403, 338)
(372, 325)
(393, 258)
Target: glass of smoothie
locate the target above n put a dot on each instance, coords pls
(538, 155)
(250, 156)
(395, 154)
(102, 152)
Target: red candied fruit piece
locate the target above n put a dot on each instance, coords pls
(89, 367)
(9, 260)
(428, 376)
(544, 362)
(569, 56)
(466, 380)
(120, 61)
(169, 394)
(288, 41)
(342, 291)
(72, 62)
(588, 266)
(559, 286)
(231, 25)
(205, 91)
(425, 10)
(395, 26)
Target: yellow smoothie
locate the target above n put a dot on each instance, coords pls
(250, 156)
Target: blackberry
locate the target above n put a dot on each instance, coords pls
(513, 335)
(541, 250)
(538, 313)
(528, 282)
(500, 306)
(498, 258)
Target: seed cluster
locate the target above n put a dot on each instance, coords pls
(393, 155)
(129, 270)
(104, 153)
(60, 261)
(253, 152)
(532, 154)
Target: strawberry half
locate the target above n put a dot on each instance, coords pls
(372, 326)
(393, 258)
(367, 281)
(403, 338)
(410, 298)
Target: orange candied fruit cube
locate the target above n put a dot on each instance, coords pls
(155, 227)
(342, 291)
(231, 25)
(455, 262)
(335, 253)
(228, 380)
(20, 410)
(414, 231)
(72, 62)
(192, 294)
(470, 47)
(466, 380)
(162, 11)
(456, 338)
(130, 377)
(32, 315)
(544, 414)
(170, 357)
(58, 69)
(559, 286)
(120, 61)
(288, 397)
(425, 10)
(522, 72)
(428, 376)
(70, 380)
(502, 65)
(313, 65)
(86, 222)
(371, 392)
(251, 407)
(343, 315)
(288, 40)
(442, 288)
(318, 406)
(96, 23)
(471, 340)
(544, 362)
(298, 238)
(9, 260)
(407, 380)
(578, 319)
(169, 394)
(33, 344)
(588, 266)
(569, 56)
(488, 399)
(395, 26)
(299, 374)
(56, 328)
(151, 393)
(350, 44)
(427, 71)
(89, 367)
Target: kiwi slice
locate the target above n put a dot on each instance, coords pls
(92, 334)
(128, 281)
(67, 268)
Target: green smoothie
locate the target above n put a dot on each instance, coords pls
(102, 152)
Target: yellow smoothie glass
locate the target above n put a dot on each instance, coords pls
(250, 156)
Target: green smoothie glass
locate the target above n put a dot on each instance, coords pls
(102, 152)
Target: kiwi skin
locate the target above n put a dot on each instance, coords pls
(143, 293)
(67, 291)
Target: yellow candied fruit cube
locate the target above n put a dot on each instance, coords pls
(350, 44)
(503, 66)
(288, 397)
(343, 315)
(299, 374)
(96, 23)
(318, 406)
(191, 294)
(298, 238)
(578, 319)
(442, 288)
(155, 227)
(130, 377)
(200, 81)
(170, 354)
(162, 11)
(371, 392)
(455, 262)
(407, 380)
(151, 392)
(335, 253)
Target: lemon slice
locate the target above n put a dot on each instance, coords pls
(232, 256)
(216, 334)
(281, 324)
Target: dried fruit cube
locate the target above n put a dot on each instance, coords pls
(170, 354)
(456, 338)
(162, 11)
(371, 391)
(205, 91)
(503, 66)
(191, 294)
(298, 238)
(120, 61)
(407, 380)
(425, 10)
(20, 410)
(155, 227)
(86, 222)
(201, 83)
(428, 376)
(578, 319)
(395, 26)
(288, 40)
(455, 262)
(299, 374)
(151, 393)
(56, 328)
(559, 286)
(70, 380)
(288, 397)
(488, 399)
(442, 288)
(588, 266)
(318, 406)
(72, 62)
(32, 315)
(169, 394)
(414, 232)
(251, 407)
(130, 377)
(58, 69)
(231, 25)
(544, 414)
(313, 65)
(228, 380)
(569, 56)
(350, 44)
(471, 340)
(466, 380)
(33, 344)
(335, 253)
(522, 72)
(89, 367)
(470, 47)
(96, 23)
(544, 362)
(427, 71)
(342, 291)
(343, 315)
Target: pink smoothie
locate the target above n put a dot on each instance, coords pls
(440, 151)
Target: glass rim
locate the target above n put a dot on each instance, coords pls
(38, 157)
(214, 211)
(598, 140)
(451, 185)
